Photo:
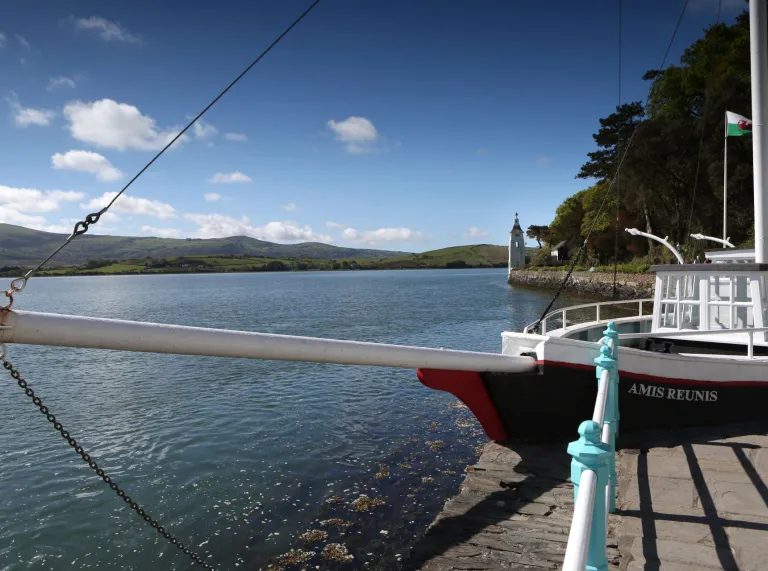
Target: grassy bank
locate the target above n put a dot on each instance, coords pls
(479, 256)
(631, 268)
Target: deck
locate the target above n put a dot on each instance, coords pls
(688, 500)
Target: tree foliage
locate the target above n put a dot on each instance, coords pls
(538, 233)
(670, 182)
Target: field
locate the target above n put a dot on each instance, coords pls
(478, 256)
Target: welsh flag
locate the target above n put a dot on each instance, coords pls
(737, 125)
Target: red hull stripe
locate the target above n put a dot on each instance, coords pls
(656, 379)
(468, 387)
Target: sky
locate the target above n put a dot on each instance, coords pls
(392, 124)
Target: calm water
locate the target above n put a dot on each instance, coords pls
(238, 457)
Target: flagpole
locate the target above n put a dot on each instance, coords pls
(725, 182)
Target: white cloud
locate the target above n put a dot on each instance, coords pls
(107, 30)
(114, 125)
(330, 224)
(203, 130)
(34, 200)
(133, 205)
(87, 161)
(220, 226)
(475, 232)
(383, 235)
(236, 137)
(212, 196)
(9, 215)
(290, 207)
(225, 178)
(23, 41)
(357, 133)
(26, 116)
(2, 40)
(161, 232)
(543, 160)
(60, 81)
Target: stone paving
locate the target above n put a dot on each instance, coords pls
(687, 500)
(513, 512)
(694, 500)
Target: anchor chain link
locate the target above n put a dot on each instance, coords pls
(93, 465)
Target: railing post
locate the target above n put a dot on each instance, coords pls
(606, 363)
(611, 407)
(612, 333)
(589, 453)
(597, 313)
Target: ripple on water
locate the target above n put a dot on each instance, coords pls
(238, 458)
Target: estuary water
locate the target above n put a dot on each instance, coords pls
(238, 458)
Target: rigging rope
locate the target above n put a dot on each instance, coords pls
(613, 181)
(618, 179)
(704, 118)
(81, 227)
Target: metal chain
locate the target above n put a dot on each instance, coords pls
(94, 466)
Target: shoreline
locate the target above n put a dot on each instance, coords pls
(99, 274)
(597, 284)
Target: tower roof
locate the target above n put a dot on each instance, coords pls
(516, 226)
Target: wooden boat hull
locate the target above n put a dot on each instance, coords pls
(656, 390)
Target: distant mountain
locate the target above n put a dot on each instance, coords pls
(23, 247)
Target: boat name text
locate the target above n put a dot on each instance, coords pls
(693, 395)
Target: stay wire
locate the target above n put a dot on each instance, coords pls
(712, 54)
(613, 181)
(81, 227)
(618, 179)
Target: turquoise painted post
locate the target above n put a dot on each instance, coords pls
(612, 404)
(612, 333)
(589, 453)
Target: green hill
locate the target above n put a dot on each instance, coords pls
(479, 256)
(23, 247)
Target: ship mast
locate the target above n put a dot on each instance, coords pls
(758, 40)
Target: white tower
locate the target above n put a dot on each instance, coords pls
(516, 247)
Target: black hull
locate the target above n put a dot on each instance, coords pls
(551, 403)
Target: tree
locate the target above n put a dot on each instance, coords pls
(613, 135)
(538, 233)
(670, 182)
(568, 219)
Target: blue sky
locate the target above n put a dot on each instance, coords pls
(390, 124)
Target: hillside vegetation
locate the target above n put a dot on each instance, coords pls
(22, 247)
(478, 256)
(671, 178)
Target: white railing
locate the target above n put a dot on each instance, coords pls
(593, 469)
(33, 328)
(563, 312)
(693, 333)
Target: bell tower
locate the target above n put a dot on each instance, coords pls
(516, 247)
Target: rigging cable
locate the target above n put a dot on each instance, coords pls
(81, 227)
(610, 186)
(18, 285)
(704, 116)
(618, 179)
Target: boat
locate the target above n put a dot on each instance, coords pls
(695, 354)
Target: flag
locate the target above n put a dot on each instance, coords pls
(737, 125)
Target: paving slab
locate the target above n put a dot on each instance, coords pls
(693, 500)
(688, 500)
